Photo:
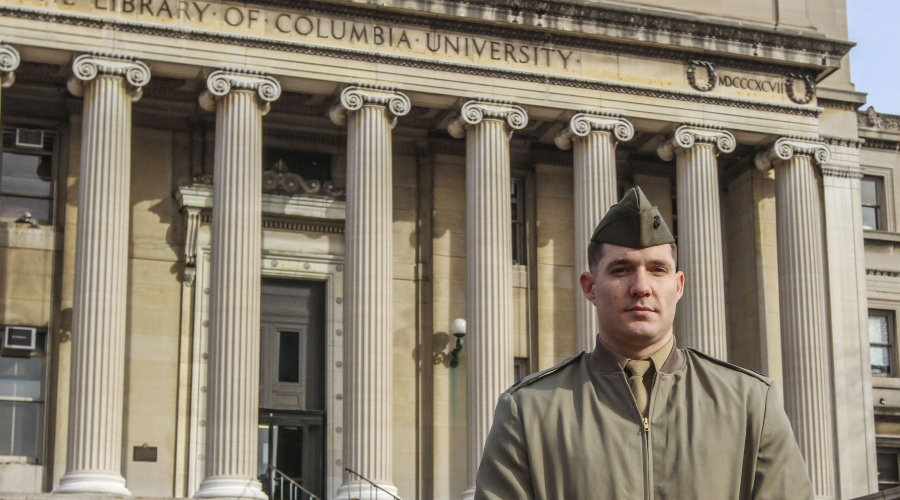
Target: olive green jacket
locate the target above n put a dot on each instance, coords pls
(714, 431)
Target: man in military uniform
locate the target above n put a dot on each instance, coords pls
(638, 418)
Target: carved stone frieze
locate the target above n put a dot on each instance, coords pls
(473, 112)
(356, 96)
(711, 75)
(786, 148)
(223, 81)
(9, 61)
(808, 82)
(586, 122)
(86, 67)
(689, 134)
(279, 180)
(873, 119)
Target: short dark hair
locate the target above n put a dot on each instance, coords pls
(595, 253)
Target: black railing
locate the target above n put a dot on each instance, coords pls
(356, 479)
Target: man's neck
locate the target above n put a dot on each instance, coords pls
(637, 352)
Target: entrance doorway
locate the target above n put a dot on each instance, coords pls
(292, 413)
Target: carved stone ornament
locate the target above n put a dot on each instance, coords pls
(586, 122)
(86, 67)
(786, 148)
(278, 180)
(223, 81)
(711, 75)
(689, 134)
(355, 97)
(473, 112)
(809, 84)
(873, 119)
(9, 61)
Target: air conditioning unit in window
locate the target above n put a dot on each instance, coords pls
(29, 138)
(18, 340)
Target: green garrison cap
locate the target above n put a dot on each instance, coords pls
(633, 223)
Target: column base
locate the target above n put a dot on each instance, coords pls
(365, 491)
(469, 494)
(230, 487)
(80, 482)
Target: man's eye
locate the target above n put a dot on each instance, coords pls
(661, 270)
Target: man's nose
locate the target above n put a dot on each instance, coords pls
(640, 287)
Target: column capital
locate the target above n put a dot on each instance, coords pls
(223, 81)
(475, 111)
(788, 147)
(355, 97)
(86, 67)
(9, 61)
(586, 122)
(689, 134)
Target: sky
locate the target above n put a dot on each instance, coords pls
(875, 61)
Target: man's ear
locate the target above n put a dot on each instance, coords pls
(587, 285)
(680, 277)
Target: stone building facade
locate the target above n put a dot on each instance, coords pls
(348, 178)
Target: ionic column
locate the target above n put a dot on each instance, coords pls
(594, 136)
(9, 61)
(487, 127)
(700, 322)
(240, 100)
(369, 114)
(801, 289)
(109, 84)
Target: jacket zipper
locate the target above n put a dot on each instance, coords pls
(646, 439)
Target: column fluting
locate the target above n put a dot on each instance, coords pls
(594, 137)
(487, 127)
(369, 113)
(240, 100)
(801, 289)
(700, 321)
(109, 84)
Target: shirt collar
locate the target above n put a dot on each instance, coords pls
(658, 358)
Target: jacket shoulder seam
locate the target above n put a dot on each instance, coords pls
(755, 374)
(534, 377)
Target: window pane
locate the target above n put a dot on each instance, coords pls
(870, 218)
(881, 359)
(26, 174)
(262, 450)
(21, 377)
(289, 356)
(19, 425)
(15, 206)
(869, 191)
(878, 329)
(887, 467)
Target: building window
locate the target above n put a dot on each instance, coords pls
(518, 221)
(888, 469)
(872, 191)
(26, 174)
(520, 369)
(881, 342)
(22, 403)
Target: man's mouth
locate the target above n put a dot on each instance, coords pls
(640, 309)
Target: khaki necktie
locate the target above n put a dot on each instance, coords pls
(636, 370)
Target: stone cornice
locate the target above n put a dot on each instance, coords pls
(586, 122)
(223, 81)
(843, 142)
(689, 134)
(9, 61)
(882, 144)
(786, 148)
(841, 172)
(433, 65)
(86, 67)
(355, 97)
(883, 273)
(475, 111)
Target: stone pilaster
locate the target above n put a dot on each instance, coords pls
(369, 113)
(9, 61)
(594, 137)
(801, 289)
(487, 127)
(240, 100)
(700, 322)
(109, 84)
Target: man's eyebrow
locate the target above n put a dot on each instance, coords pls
(620, 262)
(660, 262)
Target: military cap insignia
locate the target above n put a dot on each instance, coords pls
(656, 221)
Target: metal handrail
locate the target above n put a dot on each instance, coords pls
(294, 486)
(364, 478)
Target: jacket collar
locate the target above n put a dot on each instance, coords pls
(604, 361)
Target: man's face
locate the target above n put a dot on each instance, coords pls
(635, 291)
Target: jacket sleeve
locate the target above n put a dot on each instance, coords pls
(505, 471)
(780, 470)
